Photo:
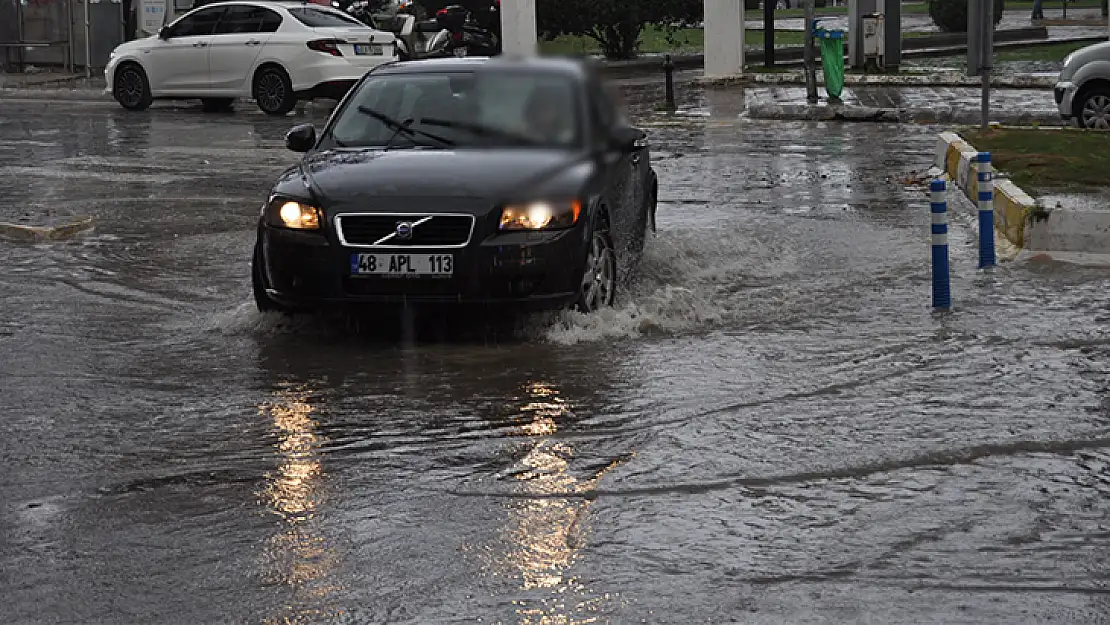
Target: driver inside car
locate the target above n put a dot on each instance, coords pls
(546, 118)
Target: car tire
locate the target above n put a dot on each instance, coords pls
(1094, 108)
(216, 105)
(131, 88)
(273, 91)
(262, 300)
(598, 288)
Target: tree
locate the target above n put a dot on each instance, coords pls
(614, 24)
(951, 15)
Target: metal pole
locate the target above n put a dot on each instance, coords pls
(986, 211)
(88, 43)
(892, 55)
(769, 33)
(987, 57)
(942, 292)
(668, 71)
(69, 36)
(19, 32)
(810, 66)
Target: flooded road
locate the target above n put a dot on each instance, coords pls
(770, 427)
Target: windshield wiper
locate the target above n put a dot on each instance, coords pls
(479, 129)
(405, 125)
(401, 127)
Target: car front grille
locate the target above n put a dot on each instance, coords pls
(380, 230)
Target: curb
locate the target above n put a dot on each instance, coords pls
(59, 95)
(38, 234)
(857, 113)
(948, 79)
(1013, 207)
(1071, 236)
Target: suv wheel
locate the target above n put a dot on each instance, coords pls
(1094, 111)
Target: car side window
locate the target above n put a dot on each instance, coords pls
(239, 20)
(602, 110)
(203, 22)
(271, 21)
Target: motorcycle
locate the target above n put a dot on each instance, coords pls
(466, 32)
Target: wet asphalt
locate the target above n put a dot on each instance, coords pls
(770, 427)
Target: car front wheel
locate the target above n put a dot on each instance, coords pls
(131, 88)
(273, 91)
(599, 280)
(1094, 112)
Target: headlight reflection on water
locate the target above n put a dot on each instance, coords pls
(298, 557)
(543, 535)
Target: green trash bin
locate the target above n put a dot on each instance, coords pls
(832, 60)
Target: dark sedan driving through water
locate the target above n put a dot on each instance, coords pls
(482, 181)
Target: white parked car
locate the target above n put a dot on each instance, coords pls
(1083, 89)
(274, 52)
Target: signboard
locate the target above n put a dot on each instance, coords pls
(152, 16)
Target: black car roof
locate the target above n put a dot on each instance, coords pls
(571, 67)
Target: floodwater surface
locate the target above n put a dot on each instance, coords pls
(770, 427)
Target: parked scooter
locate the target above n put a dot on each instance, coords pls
(465, 32)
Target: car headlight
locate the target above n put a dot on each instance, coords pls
(540, 215)
(287, 213)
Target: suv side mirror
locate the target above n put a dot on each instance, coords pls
(301, 138)
(629, 139)
(164, 32)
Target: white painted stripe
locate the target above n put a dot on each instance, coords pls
(940, 239)
(940, 218)
(938, 197)
(986, 206)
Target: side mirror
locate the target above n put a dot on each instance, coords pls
(164, 32)
(629, 139)
(301, 138)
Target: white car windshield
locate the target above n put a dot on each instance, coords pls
(468, 109)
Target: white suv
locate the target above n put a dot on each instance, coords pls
(1083, 90)
(274, 52)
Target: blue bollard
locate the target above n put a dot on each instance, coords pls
(938, 207)
(986, 211)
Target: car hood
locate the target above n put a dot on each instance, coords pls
(1097, 53)
(134, 45)
(344, 176)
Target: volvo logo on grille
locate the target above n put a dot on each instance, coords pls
(404, 230)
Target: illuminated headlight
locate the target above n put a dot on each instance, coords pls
(292, 214)
(540, 215)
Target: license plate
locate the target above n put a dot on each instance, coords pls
(402, 264)
(461, 51)
(368, 48)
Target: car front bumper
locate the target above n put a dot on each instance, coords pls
(109, 73)
(1064, 95)
(530, 271)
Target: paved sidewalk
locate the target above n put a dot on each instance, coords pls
(905, 104)
(918, 23)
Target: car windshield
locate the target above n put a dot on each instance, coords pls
(469, 109)
(321, 18)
